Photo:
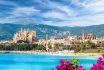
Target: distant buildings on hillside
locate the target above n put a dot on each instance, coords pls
(73, 39)
(24, 36)
(27, 36)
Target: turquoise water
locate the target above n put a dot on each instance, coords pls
(38, 62)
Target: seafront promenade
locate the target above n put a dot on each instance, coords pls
(58, 53)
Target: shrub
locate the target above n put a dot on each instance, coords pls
(99, 65)
(67, 65)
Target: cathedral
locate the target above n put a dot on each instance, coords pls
(24, 36)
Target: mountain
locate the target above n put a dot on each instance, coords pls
(7, 30)
(98, 30)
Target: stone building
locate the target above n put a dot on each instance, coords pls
(24, 36)
(88, 37)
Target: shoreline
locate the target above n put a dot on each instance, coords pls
(58, 53)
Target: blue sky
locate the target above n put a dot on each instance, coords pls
(53, 12)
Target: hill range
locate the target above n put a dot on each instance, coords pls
(7, 30)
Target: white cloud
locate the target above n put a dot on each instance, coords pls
(79, 13)
(14, 20)
(3, 2)
(6, 20)
(91, 7)
(19, 14)
(54, 14)
(58, 7)
(80, 21)
(68, 11)
(97, 6)
(24, 11)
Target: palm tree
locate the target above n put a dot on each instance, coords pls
(82, 45)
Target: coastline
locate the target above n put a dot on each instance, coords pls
(58, 53)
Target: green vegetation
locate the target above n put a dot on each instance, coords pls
(92, 51)
(78, 47)
(39, 47)
(21, 47)
(62, 47)
(82, 47)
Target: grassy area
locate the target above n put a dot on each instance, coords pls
(92, 51)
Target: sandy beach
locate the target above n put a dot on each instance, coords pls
(58, 53)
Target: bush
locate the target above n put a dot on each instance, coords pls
(67, 65)
(39, 47)
(18, 46)
(99, 65)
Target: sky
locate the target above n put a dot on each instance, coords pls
(53, 12)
